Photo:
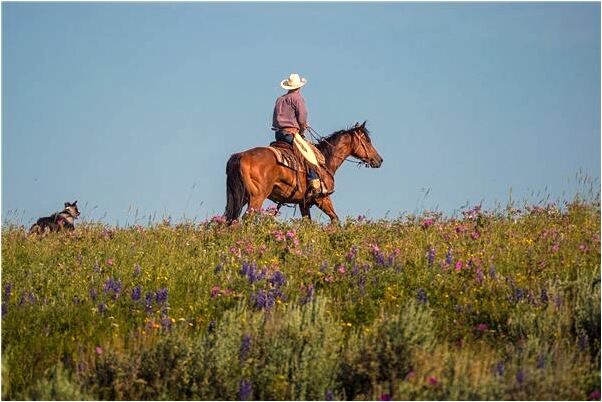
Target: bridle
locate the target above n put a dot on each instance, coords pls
(316, 136)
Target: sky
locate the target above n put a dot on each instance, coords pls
(133, 109)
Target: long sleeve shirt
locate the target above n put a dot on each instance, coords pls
(289, 111)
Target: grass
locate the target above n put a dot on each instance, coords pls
(493, 305)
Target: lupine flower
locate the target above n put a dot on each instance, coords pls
(324, 266)
(421, 296)
(166, 322)
(308, 296)
(541, 362)
(7, 290)
(500, 369)
(93, 294)
(378, 255)
(520, 377)
(544, 296)
(492, 273)
(148, 305)
(102, 308)
(136, 293)
(261, 300)
(329, 396)
(161, 295)
(449, 256)
(137, 269)
(355, 270)
(278, 279)
(430, 256)
(245, 390)
(112, 287)
(218, 268)
(352, 254)
(479, 276)
(245, 347)
(4, 309)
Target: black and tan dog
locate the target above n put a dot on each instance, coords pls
(57, 221)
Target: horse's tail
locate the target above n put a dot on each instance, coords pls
(235, 189)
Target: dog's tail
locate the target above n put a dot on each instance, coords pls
(235, 189)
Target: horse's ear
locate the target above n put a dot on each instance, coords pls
(74, 202)
(66, 204)
(357, 124)
(364, 123)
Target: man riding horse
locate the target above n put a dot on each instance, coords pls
(289, 120)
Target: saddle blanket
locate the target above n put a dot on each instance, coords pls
(285, 156)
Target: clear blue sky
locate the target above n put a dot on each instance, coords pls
(127, 106)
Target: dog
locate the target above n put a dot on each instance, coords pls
(57, 221)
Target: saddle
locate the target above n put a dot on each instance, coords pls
(285, 156)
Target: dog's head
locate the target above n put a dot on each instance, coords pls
(71, 209)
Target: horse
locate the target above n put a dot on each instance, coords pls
(254, 175)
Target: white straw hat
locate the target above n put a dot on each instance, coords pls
(293, 82)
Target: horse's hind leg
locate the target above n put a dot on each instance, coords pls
(325, 204)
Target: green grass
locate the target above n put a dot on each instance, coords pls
(495, 305)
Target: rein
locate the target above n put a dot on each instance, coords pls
(317, 137)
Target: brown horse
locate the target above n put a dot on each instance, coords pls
(254, 175)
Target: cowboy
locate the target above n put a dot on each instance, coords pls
(290, 119)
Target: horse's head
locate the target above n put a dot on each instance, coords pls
(362, 148)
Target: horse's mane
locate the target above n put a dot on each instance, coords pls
(324, 144)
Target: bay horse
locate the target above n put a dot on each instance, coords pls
(254, 175)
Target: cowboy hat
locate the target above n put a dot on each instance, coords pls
(293, 82)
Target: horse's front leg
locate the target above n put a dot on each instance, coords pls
(325, 204)
(304, 207)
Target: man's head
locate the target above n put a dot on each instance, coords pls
(293, 82)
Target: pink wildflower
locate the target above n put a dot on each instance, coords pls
(426, 223)
(481, 327)
(215, 291)
(341, 269)
(458, 265)
(432, 380)
(99, 350)
(110, 262)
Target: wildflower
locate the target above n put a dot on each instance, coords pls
(384, 397)
(361, 218)
(93, 294)
(98, 350)
(432, 380)
(218, 268)
(555, 247)
(352, 254)
(520, 377)
(475, 235)
(79, 259)
(324, 266)
(329, 396)
(215, 291)
(136, 293)
(4, 309)
(341, 269)
(421, 297)
(518, 294)
(541, 361)
(410, 376)
(161, 295)
(583, 247)
(278, 279)
(137, 269)
(479, 276)
(595, 396)
(458, 266)
(544, 296)
(102, 308)
(110, 262)
(426, 223)
(278, 235)
(166, 322)
(500, 368)
(481, 327)
(96, 266)
(245, 347)
(430, 256)
(449, 256)
(148, 305)
(245, 390)
(262, 300)
(7, 290)
(308, 296)
(378, 255)
(291, 234)
(492, 273)
(112, 287)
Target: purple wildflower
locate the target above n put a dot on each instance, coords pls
(245, 347)
(278, 279)
(544, 296)
(161, 295)
(449, 256)
(385, 397)
(245, 390)
(324, 266)
(218, 268)
(541, 361)
(7, 290)
(93, 293)
(308, 296)
(165, 322)
(102, 308)
(520, 377)
(137, 269)
(4, 309)
(479, 276)
(136, 293)
(112, 287)
(148, 302)
(500, 369)
(421, 296)
(378, 255)
(492, 274)
(352, 254)
(594, 396)
(430, 256)
(329, 396)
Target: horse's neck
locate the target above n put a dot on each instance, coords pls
(335, 152)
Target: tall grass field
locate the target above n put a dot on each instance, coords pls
(490, 305)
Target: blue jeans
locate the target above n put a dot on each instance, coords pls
(286, 137)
